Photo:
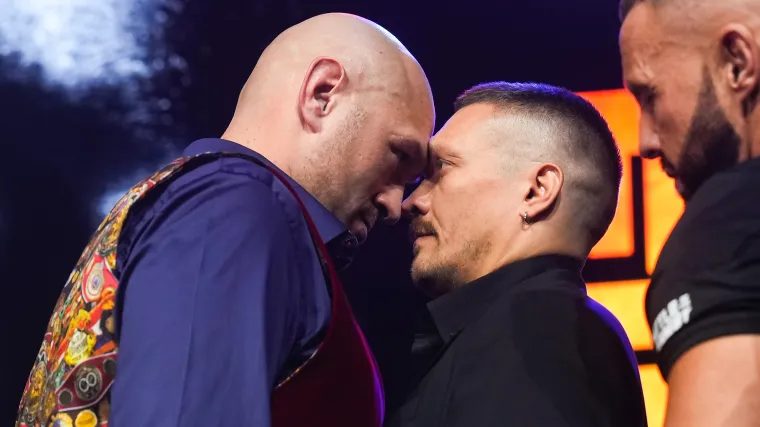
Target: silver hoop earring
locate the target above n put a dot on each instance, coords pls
(525, 217)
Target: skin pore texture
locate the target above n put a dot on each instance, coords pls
(341, 106)
(693, 67)
(460, 234)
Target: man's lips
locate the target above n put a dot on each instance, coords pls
(419, 229)
(413, 237)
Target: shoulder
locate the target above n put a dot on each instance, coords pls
(570, 319)
(229, 191)
(721, 214)
(552, 346)
(705, 283)
(714, 243)
(550, 325)
(564, 333)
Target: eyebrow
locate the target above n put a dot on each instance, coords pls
(443, 152)
(432, 155)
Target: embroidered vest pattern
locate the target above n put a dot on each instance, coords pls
(76, 365)
(71, 379)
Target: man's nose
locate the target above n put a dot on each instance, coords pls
(649, 141)
(418, 202)
(390, 201)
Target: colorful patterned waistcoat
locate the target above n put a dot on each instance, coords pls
(77, 363)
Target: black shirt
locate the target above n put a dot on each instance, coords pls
(524, 346)
(707, 280)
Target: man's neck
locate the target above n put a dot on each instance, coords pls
(262, 143)
(528, 246)
(751, 147)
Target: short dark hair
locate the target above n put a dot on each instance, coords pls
(583, 135)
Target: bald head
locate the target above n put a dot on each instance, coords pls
(694, 68)
(344, 108)
(698, 16)
(373, 59)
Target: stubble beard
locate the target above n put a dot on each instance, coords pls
(711, 145)
(440, 275)
(327, 169)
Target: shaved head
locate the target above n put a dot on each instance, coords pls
(344, 108)
(694, 68)
(374, 58)
(695, 10)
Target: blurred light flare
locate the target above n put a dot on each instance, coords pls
(81, 45)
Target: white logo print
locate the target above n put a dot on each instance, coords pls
(670, 320)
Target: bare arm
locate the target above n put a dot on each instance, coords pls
(716, 384)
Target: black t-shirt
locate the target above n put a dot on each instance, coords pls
(707, 280)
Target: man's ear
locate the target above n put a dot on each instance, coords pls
(546, 183)
(739, 55)
(316, 99)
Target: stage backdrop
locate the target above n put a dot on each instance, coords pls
(648, 209)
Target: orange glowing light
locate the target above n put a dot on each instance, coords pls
(626, 301)
(622, 115)
(662, 207)
(655, 395)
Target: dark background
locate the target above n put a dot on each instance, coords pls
(60, 155)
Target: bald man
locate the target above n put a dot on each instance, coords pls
(523, 182)
(694, 67)
(209, 295)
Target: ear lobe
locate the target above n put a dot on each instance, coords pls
(540, 200)
(740, 59)
(324, 78)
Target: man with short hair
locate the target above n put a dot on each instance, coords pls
(212, 285)
(694, 68)
(523, 182)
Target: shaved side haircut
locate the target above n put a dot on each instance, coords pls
(569, 132)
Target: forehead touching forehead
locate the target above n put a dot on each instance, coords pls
(472, 133)
(499, 133)
(401, 98)
(465, 122)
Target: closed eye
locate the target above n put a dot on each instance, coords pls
(402, 155)
(644, 94)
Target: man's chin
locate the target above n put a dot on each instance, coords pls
(420, 276)
(683, 190)
(680, 187)
(432, 280)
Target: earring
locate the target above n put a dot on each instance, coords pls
(525, 217)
